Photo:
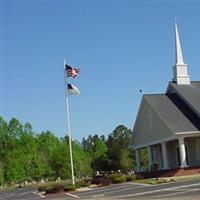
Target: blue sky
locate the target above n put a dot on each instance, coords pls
(119, 46)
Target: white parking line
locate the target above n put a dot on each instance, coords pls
(144, 184)
(72, 195)
(160, 190)
(101, 195)
(9, 195)
(125, 189)
(180, 192)
(106, 191)
(30, 198)
(23, 193)
(41, 194)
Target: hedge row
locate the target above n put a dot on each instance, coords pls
(50, 188)
(113, 178)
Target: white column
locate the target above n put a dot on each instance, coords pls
(149, 157)
(182, 152)
(164, 156)
(137, 160)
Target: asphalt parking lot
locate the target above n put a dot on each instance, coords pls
(19, 194)
(189, 190)
(177, 190)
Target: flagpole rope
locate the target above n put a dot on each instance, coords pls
(69, 127)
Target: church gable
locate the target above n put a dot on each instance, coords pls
(149, 127)
(171, 113)
(159, 119)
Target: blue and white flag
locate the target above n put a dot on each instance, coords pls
(73, 90)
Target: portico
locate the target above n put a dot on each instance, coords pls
(172, 154)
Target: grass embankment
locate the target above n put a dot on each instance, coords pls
(154, 181)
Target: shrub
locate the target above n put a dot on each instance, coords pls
(58, 188)
(101, 180)
(120, 179)
(113, 176)
(117, 178)
(69, 188)
(130, 178)
(54, 188)
(139, 177)
(49, 189)
(51, 179)
(42, 188)
(87, 180)
(82, 183)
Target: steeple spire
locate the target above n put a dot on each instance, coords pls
(179, 54)
(181, 76)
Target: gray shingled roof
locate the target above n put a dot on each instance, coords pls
(171, 115)
(189, 93)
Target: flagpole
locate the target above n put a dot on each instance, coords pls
(69, 128)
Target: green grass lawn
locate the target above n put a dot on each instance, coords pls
(153, 181)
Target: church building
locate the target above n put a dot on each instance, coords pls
(167, 125)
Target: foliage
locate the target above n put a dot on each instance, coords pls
(113, 176)
(97, 148)
(82, 183)
(144, 159)
(42, 187)
(122, 158)
(120, 179)
(112, 153)
(50, 188)
(101, 181)
(85, 169)
(69, 188)
(117, 178)
(108, 179)
(130, 177)
(54, 188)
(29, 156)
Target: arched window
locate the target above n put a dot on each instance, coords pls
(198, 150)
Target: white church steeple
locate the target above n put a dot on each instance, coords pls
(181, 76)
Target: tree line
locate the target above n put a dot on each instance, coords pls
(29, 156)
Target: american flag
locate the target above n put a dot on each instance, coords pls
(71, 72)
